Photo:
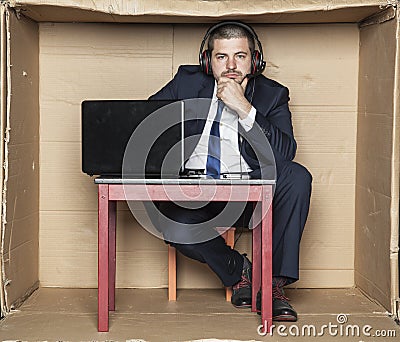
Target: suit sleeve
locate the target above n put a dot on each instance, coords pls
(276, 126)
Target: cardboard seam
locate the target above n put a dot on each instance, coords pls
(379, 18)
(25, 296)
(367, 296)
(6, 133)
(372, 284)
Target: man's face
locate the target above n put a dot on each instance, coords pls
(231, 58)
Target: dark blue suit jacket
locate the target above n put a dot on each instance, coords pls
(273, 117)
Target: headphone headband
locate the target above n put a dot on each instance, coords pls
(258, 64)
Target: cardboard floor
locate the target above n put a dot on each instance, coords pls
(146, 315)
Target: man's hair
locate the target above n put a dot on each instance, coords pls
(230, 31)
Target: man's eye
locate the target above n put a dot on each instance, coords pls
(220, 57)
(241, 56)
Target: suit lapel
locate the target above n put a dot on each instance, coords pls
(207, 88)
(249, 89)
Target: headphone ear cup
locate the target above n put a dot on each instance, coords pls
(256, 62)
(202, 61)
(207, 58)
(205, 62)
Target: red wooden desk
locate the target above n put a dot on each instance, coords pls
(111, 190)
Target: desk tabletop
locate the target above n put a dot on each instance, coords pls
(183, 181)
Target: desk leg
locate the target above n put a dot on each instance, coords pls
(103, 221)
(112, 217)
(256, 277)
(266, 260)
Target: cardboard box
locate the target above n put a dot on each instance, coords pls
(338, 58)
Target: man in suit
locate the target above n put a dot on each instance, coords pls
(249, 103)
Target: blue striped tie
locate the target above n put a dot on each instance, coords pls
(213, 167)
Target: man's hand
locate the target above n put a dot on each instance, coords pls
(232, 94)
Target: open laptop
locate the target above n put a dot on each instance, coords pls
(132, 138)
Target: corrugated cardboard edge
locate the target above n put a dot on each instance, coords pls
(5, 125)
(3, 111)
(395, 205)
(214, 8)
(302, 11)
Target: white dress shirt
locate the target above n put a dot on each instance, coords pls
(231, 161)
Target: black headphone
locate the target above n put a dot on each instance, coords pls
(257, 62)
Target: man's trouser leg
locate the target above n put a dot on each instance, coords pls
(290, 209)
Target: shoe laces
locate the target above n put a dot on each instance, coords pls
(277, 290)
(244, 282)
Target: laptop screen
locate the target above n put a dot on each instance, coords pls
(138, 138)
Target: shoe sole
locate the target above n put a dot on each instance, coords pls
(281, 318)
(242, 306)
(284, 318)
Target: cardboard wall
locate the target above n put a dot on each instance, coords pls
(375, 159)
(20, 233)
(78, 62)
(319, 64)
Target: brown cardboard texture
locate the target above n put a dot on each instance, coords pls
(376, 118)
(3, 114)
(181, 11)
(343, 81)
(198, 315)
(20, 212)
